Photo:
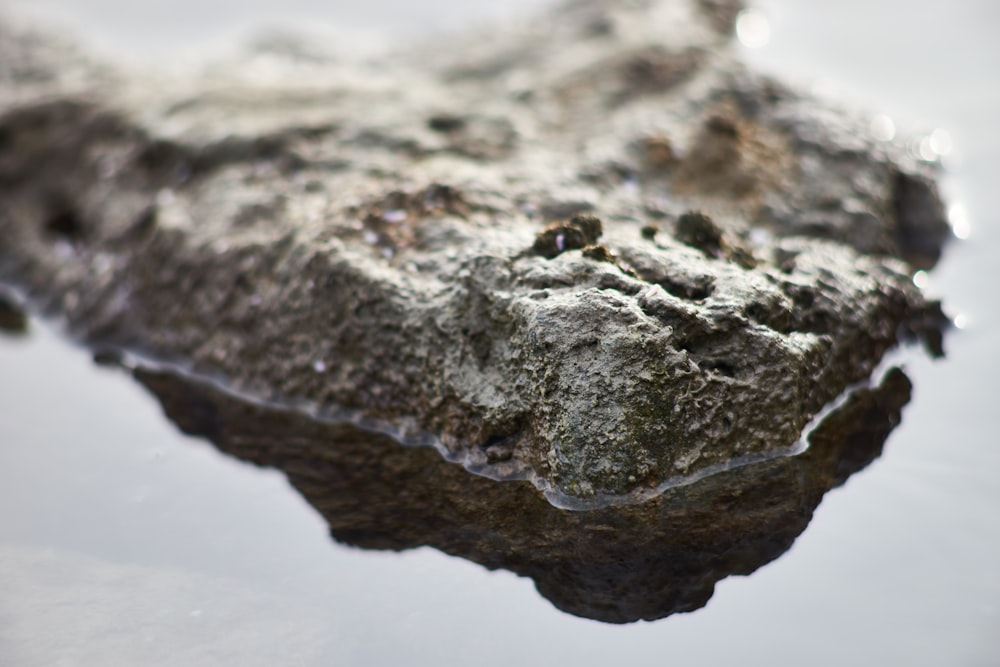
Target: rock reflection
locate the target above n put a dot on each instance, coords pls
(616, 564)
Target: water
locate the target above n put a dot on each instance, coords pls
(123, 542)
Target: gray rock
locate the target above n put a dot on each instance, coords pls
(457, 244)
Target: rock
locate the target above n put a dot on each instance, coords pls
(13, 320)
(410, 245)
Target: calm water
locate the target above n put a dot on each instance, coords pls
(123, 542)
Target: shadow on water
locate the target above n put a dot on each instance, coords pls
(617, 564)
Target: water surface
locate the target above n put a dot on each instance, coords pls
(122, 541)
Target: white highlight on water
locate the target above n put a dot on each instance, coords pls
(883, 128)
(958, 218)
(753, 28)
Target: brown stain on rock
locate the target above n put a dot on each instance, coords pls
(733, 159)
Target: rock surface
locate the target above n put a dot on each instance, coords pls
(595, 253)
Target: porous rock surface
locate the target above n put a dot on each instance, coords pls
(594, 252)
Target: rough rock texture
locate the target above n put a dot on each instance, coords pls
(594, 252)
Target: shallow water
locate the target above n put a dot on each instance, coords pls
(124, 542)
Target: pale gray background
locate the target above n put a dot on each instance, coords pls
(124, 543)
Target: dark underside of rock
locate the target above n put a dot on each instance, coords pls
(595, 257)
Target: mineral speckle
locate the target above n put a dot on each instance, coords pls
(580, 232)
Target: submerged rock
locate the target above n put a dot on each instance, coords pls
(595, 253)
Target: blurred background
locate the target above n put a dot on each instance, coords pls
(154, 30)
(123, 542)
